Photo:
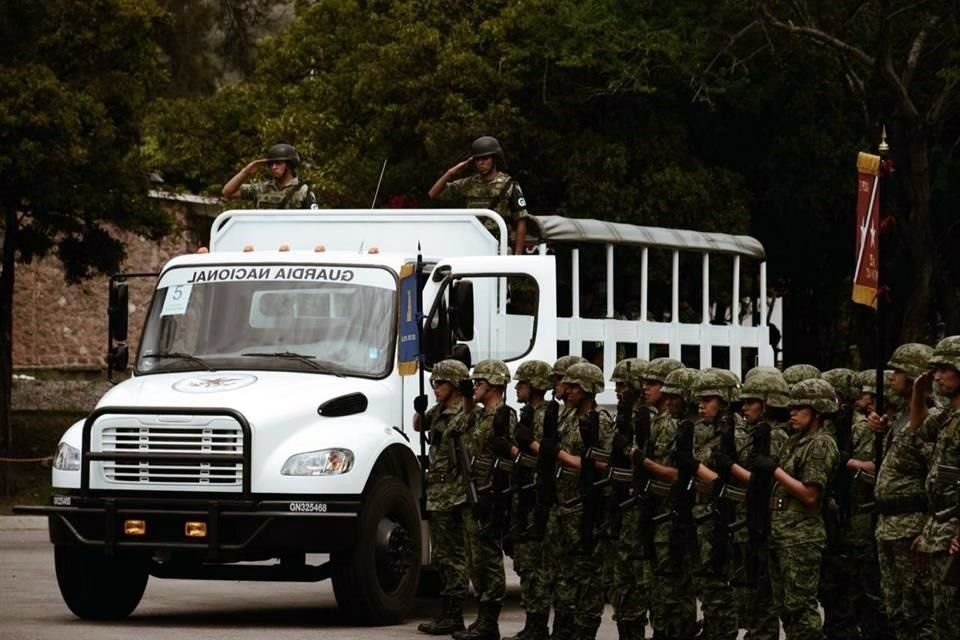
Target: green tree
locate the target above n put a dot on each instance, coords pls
(74, 79)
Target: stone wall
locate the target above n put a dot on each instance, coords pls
(63, 326)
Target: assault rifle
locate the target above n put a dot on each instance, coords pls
(683, 528)
(499, 488)
(546, 489)
(722, 510)
(524, 475)
(464, 468)
(642, 481)
(619, 472)
(758, 514)
(589, 492)
(836, 515)
(949, 476)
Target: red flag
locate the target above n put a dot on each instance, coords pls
(866, 273)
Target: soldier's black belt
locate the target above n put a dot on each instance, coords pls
(901, 505)
(789, 503)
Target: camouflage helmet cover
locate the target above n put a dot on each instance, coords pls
(713, 383)
(768, 386)
(946, 353)
(536, 373)
(493, 371)
(586, 375)
(681, 382)
(815, 393)
(565, 362)
(660, 368)
(762, 369)
(452, 371)
(843, 381)
(867, 381)
(798, 372)
(284, 152)
(630, 371)
(912, 358)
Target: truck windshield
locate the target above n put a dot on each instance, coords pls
(327, 319)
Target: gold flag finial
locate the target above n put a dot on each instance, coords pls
(883, 147)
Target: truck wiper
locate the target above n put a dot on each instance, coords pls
(177, 355)
(302, 357)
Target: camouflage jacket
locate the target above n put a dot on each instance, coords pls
(744, 435)
(445, 488)
(502, 194)
(268, 195)
(943, 427)
(568, 487)
(902, 475)
(479, 430)
(663, 449)
(811, 458)
(858, 531)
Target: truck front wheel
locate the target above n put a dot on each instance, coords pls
(98, 587)
(376, 581)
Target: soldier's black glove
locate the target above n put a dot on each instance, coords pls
(420, 404)
(501, 446)
(764, 465)
(549, 447)
(466, 388)
(722, 462)
(524, 435)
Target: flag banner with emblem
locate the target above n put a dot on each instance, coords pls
(866, 274)
(409, 351)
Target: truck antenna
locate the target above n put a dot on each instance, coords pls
(373, 205)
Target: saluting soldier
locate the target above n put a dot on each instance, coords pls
(282, 191)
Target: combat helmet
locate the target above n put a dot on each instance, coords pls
(493, 371)
(713, 383)
(488, 146)
(660, 368)
(681, 382)
(843, 381)
(284, 152)
(565, 362)
(762, 369)
(452, 371)
(946, 353)
(912, 358)
(794, 374)
(768, 386)
(867, 381)
(630, 371)
(586, 375)
(816, 393)
(536, 373)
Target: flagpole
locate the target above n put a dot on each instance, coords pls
(421, 402)
(878, 453)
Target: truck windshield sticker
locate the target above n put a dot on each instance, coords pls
(175, 304)
(277, 273)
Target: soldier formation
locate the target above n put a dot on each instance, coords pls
(761, 500)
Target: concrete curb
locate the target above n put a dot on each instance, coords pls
(23, 523)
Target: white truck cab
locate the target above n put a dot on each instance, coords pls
(267, 416)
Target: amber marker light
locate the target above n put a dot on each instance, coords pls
(195, 529)
(135, 527)
(320, 248)
(284, 247)
(374, 250)
(248, 248)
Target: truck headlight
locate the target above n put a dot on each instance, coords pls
(67, 458)
(326, 462)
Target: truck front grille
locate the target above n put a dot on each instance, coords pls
(200, 439)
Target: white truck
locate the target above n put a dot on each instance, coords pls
(267, 420)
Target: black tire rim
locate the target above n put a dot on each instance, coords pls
(393, 554)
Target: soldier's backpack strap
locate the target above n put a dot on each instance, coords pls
(304, 187)
(499, 196)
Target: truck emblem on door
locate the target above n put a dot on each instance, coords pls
(212, 383)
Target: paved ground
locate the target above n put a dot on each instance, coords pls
(31, 607)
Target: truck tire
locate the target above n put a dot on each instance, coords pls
(98, 587)
(376, 581)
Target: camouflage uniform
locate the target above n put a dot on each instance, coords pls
(943, 428)
(502, 194)
(902, 504)
(578, 577)
(270, 195)
(798, 534)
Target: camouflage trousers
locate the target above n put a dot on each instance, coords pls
(946, 600)
(578, 575)
(713, 587)
(449, 552)
(485, 561)
(908, 596)
(794, 576)
(755, 610)
(850, 595)
(673, 605)
(535, 578)
(630, 594)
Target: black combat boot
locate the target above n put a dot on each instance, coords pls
(449, 621)
(587, 632)
(537, 626)
(487, 627)
(563, 627)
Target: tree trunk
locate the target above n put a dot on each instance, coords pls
(11, 227)
(915, 327)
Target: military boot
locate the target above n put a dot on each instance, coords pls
(587, 632)
(487, 627)
(537, 626)
(449, 620)
(563, 627)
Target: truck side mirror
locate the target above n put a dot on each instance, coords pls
(117, 313)
(461, 310)
(118, 358)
